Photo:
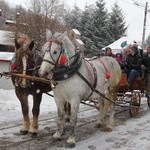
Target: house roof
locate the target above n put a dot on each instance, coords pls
(7, 38)
(6, 56)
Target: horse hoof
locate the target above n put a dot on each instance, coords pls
(21, 133)
(108, 129)
(98, 125)
(71, 145)
(56, 139)
(33, 134)
(67, 120)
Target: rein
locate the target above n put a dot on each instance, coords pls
(93, 89)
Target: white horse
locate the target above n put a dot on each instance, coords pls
(78, 79)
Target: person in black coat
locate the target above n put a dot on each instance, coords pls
(132, 64)
(108, 51)
(146, 63)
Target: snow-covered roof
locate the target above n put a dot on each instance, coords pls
(7, 38)
(6, 56)
(75, 34)
(76, 31)
(10, 22)
(79, 42)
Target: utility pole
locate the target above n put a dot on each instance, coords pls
(0, 12)
(144, 25)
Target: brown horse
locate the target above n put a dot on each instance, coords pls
(26, 61)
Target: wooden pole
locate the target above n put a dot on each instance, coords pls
(33, 78)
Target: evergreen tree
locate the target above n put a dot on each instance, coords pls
(72, 17)
(86, 24)
(116, 23)
(100, 27)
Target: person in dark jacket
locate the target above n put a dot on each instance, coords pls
(132, 63)
(146, 63)
(108, 51)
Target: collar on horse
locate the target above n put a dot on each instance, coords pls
(62, 72)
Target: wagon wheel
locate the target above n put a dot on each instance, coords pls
(135, 103)
(148, 101)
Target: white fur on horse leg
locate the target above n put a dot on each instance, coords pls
(24, 60)
(99, 122)
(100, 119)
(34, 125)
(71, 139)
(23, 82)
(25, 126)
(57, 135)
(32, 129)
(16, 82)
(60, 124)
(110, 123)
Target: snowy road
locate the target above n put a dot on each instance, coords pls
(128, 134)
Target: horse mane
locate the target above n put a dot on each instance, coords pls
(23, 39)
(67, 43)
(66, 40)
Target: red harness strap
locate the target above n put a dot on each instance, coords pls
(95, 74)
(107, 73)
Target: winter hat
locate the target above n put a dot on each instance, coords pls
(134, 47)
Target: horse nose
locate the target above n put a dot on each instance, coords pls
(42, 73)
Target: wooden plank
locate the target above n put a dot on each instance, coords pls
(33, 78)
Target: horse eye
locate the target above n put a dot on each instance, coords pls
(55, 52)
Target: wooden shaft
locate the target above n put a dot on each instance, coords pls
(33, 78)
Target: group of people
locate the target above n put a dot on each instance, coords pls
(133, 64)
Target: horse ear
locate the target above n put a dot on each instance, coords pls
(17, 45)
(62, 36)
(31, 45)
(48, 34)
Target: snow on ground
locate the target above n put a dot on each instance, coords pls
(133, 134)
(10, 106)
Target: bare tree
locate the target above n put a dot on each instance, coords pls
(5, 9)
(42, 14)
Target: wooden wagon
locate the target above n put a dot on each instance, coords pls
(132, 96)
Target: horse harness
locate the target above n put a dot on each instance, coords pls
(62, 72)
(93, 87)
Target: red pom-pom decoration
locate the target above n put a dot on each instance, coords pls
(63, 59)
(13, 66)
(107, 75)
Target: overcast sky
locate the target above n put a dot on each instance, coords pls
(134, 15)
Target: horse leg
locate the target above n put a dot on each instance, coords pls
(67, 109)
(60, 121)
(73, 120)
(25, 111)
(35, 111)
(104, 107)
(113, 97)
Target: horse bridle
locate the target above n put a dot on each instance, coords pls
(62, 51)
(54, 63)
